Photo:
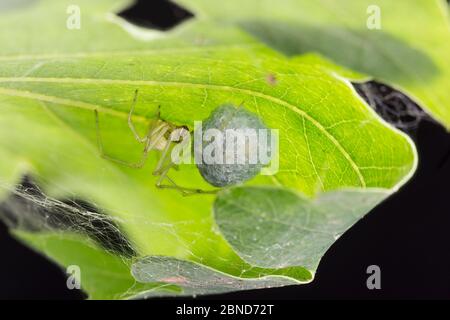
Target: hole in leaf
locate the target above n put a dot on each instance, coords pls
(155, 14)
(392, 105)
(29, 209)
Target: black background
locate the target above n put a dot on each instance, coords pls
(408, 236)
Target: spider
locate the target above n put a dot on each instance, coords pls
(160, 136)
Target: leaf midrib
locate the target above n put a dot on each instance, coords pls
(103, 54)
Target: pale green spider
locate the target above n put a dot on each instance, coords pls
(160, 136)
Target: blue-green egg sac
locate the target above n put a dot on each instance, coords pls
(226, 174)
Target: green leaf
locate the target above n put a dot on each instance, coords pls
(197, 279)
(50, 86)
(273, 227)
(102, 274)
(410, 52)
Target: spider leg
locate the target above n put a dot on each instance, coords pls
(149, 145)
(162, 171)
(183, 190)
(159, 167)
(130, 121)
